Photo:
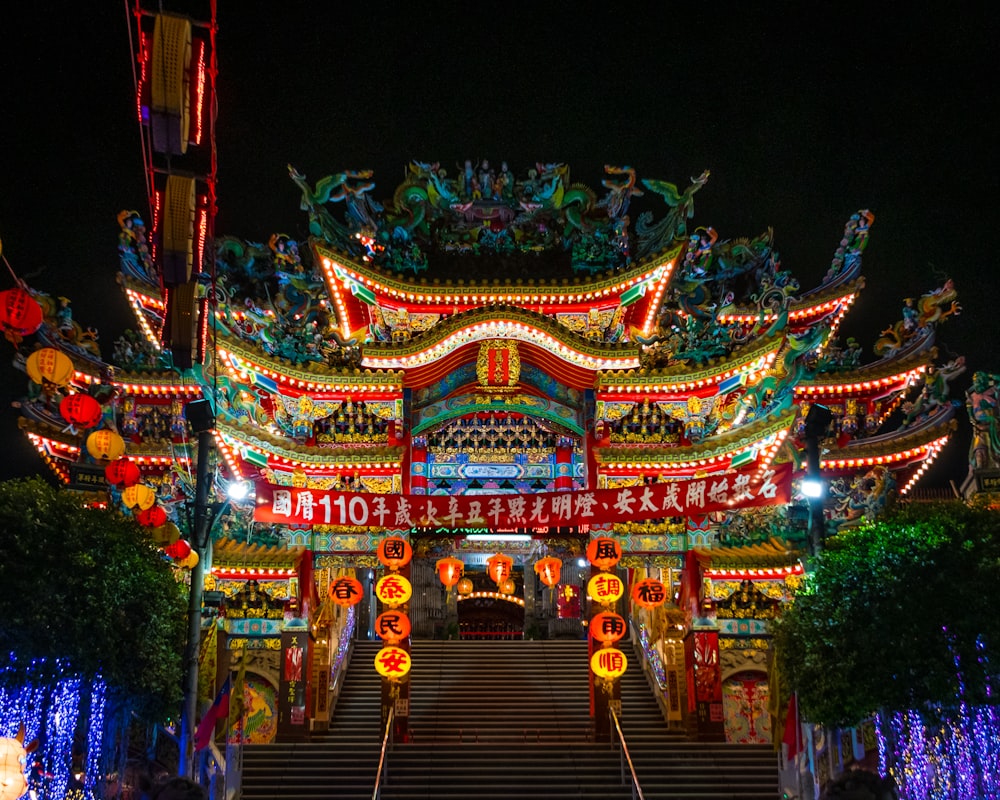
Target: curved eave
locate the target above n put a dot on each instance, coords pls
(880, 379)
(764, 436)
(148, 307)
(158, 383)
(231, 553)
(317, 379)
(341, 270)
(827, 305)
(258, 447)
(682, 378)
(567, 349)
(770, 559)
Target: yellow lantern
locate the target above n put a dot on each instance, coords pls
(508, 586)
(608, 662)
(449, 570)
(394, 552)
(13, 759)
(105, 445)
(167, 533)
(605, 588)
(649, 593)
(548, 570)
(393, 589)
(392, 662)
(604, 552)
(465, 586)
(499, 567)
(190, 560)
(139, 496)
(50, 366)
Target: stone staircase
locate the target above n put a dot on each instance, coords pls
(501, 719)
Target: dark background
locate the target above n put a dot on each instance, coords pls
(803, 112)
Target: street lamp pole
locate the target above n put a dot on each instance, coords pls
(817, 423)
(202, 420)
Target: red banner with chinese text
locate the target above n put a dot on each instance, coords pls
(747, 488)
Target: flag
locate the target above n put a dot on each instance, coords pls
(237, 702)
(219, 710)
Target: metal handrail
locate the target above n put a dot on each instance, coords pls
(626, 758)
(382, 764)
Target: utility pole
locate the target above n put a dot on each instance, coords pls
(202, 420)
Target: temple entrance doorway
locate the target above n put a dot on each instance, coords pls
(484, 612)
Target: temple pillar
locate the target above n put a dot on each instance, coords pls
(418, 465)
(564, 464)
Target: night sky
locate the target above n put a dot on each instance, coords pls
(803, 112)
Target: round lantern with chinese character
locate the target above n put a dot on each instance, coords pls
(608, 663)
(12, 764)
(465, 586)
(81, 410)
(49, 366)
(394, 552)
(449, 570)
(179, 550)
(393, 589)
(392, 662)
(392, 626)
(138, 496)
(605, 589)
(165, 534)
(499, 566)
(105, 445)
(122, 472)
(152, 517)
(604, 552)
(548, 570)
(649, 593)
(346, 591)
(607, 627)
(20, 313)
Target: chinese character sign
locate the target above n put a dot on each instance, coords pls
(649, 593)
(605, 589)
(394, 552)
(603, 552)
(346, 591)
(747, 488)
(392, 626)
(607, 627)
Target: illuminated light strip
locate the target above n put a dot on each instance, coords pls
(893, 458)
(802, 313)
(654, 306)
(252, 572)
(757, 365)
(276, 461)
(488, 295)
(931, 457)
(500, 330)
(199, 95)
(227, 455)
(138, 303)
(720, 574)
(905, 378)
(492, 596)
(244, 367)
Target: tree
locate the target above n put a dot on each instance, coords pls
(898, 616)
(84, 591)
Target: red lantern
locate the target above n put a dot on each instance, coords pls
(152, 517)
(548, 570)
(122, 472)
(649, 593)
(394, 552)
(392, 626)
(179, 550)
(19, 312)
(81, 409)
(449, 570)
(604, 553)
(499, 567)
(346, 591)
(607, 627)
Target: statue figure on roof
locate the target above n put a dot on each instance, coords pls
(920, 317)
(655, 237)
(620, 190)
(982, 401)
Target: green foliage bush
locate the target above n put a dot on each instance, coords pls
(87, 587)
(898, 615)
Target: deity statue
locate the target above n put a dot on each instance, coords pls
(981, 401)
